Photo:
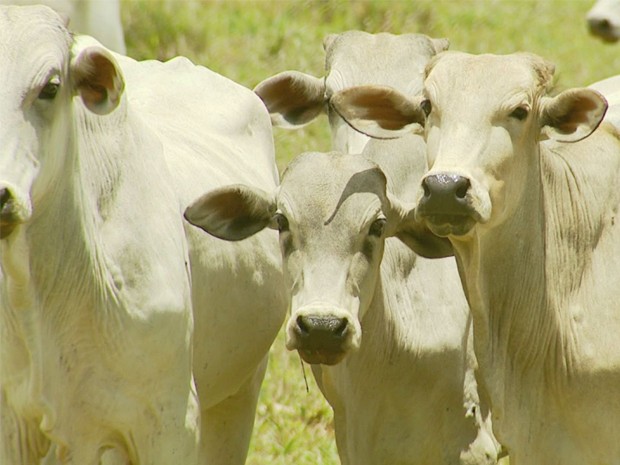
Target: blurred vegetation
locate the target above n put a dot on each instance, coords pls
(249, 41)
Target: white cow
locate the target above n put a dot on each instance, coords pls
(535, 230)
(98, 18)
(398, 380)
(353, 58)
(100, 156)
(604, 20)
(294, 99)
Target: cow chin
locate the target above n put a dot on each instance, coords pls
(450, 225)
(322, 357)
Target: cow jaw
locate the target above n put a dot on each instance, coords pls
(321, 357)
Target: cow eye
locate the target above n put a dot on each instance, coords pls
(377, 227)
(50, 89)
(281, 222)
(520, 113)
(426, 106)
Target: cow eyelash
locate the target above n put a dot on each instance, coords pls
(281, 222)
(50, 89)
(520, 113)
(426, 106)
(377, 227)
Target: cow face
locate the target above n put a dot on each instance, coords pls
(39, 81)
(484, 117)
(333, 215)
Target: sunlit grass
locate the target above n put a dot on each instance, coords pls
(248, 41)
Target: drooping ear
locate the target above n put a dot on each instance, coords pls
(378, 111)
(414, 234)
(97, 78)
(233, 212)
(573, 114)
(293, 98)
(440, 45)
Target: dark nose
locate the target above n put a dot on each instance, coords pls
(321, 332)
(445, 194)
(5, 201)
(8, 220)
(599, 26)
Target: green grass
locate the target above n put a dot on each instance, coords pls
(248, 41)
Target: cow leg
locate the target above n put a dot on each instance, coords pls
(227, 427)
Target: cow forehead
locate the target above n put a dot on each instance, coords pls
(318, 183)
(484, 81)
(356, 58)
(36, 23)
(32, 38)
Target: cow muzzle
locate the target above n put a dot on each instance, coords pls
(322, 338)
(603, 28)
(446, 204)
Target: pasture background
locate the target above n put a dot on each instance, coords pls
(248, 41)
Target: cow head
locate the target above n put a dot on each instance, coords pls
(484, 117)
(333, 215)
(353, 58)
(42, 68)
(604, 20)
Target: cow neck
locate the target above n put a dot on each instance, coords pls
(67, 257)
(520, 329)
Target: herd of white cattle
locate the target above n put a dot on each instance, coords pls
(450, 270)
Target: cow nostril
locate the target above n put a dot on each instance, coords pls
(5, 198)
(327, 326)
(427, 191)
(341, 328)
(463, 187)
(445, 186)
(302, 325)
(601, 25)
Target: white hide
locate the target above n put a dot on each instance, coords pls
(540, 272)
(99, 228)
(96, 289)
(610, 88)
(98, 18)
(352, 58)
(293, 98)
(401, 381)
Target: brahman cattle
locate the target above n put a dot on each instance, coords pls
(385, 330)
(525, 187)
(98, 18)
(100, 156)
(294, 99)
(604, 20)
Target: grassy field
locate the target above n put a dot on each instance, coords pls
(248, 41)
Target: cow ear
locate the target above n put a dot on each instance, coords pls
(293, 99)
(440, 45)
(572, 115)
(97, 78)
(378, 111)
(329, 40)
(414, 234)
(233, 212)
